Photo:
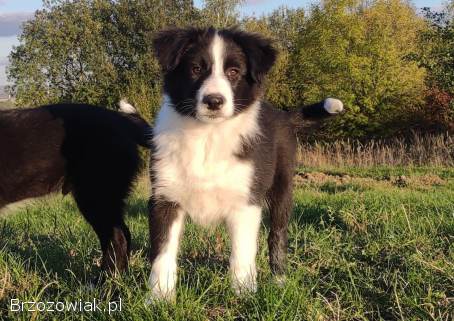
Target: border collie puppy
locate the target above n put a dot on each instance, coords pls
(86, 150)
(219, 152)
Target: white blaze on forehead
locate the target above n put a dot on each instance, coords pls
(217, 83)
(217, 54)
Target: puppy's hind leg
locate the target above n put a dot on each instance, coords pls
(280, 201)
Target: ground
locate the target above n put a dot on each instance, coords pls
(365, 244)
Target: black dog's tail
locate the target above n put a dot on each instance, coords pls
(141, 130)
(306, 116)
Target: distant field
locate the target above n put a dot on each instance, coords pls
(6, 104)
(365, 244)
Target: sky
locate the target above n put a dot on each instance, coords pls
(14, 12)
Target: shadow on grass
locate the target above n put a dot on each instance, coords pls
(47, 253)
(197, 271)
(318, 216)
(136, 207)
(333, 188)
(43, 254)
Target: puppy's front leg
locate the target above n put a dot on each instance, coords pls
(244, 227)
(166, 222)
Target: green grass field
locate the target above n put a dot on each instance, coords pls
(364, 245)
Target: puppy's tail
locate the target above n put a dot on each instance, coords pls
(323, 109)
(306, 116)
(139, 127)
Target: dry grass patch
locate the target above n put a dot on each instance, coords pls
(340, 182)
(419, 150)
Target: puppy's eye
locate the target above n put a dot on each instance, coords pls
(196, 70)
(233, 72)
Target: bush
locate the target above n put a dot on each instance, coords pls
(436, 55)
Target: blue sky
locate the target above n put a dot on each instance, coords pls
(13, 12)
(257, 6)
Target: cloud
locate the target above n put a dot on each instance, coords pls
(10, 23)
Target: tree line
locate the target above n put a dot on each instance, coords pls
(391, 63)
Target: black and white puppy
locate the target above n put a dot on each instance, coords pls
(85, 150)
(220, 153)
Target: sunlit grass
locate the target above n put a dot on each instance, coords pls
(361, 247)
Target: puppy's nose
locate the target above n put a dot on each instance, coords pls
(213, 101)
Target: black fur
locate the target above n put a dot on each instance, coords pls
(179, 50)
(273, 156)
(88, 151)
(176, 50)
(164, 214)
(272, 153)
(259, 52)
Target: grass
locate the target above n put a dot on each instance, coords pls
(415, 150)
(362, 247)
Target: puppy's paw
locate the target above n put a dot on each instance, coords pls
(154, 297)
(162, 288)
(244, 284)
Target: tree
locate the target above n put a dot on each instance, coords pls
(93, 51)
(358, 52)
(378, 56)
(437, 57)
(220, 13)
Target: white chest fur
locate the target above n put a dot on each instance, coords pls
(195, 163)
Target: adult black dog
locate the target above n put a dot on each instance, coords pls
(85, 150)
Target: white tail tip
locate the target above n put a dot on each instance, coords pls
(126, 107)
(333, 105)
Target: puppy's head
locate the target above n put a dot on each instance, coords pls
(210, 74)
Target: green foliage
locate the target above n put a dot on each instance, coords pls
(438, 50)
(93, 51)
(357, 53)
(98, 51)
(219, 13)
(437, 57)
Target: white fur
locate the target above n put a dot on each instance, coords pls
(216, 83)
(244, 229)
(163, 275)
(126, 107)
(196, 165)
(333, 105)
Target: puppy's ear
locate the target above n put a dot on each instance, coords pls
(259, 51)
(170, 45)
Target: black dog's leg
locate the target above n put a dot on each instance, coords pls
(115, 243)
(100, 175)
(108, 224)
